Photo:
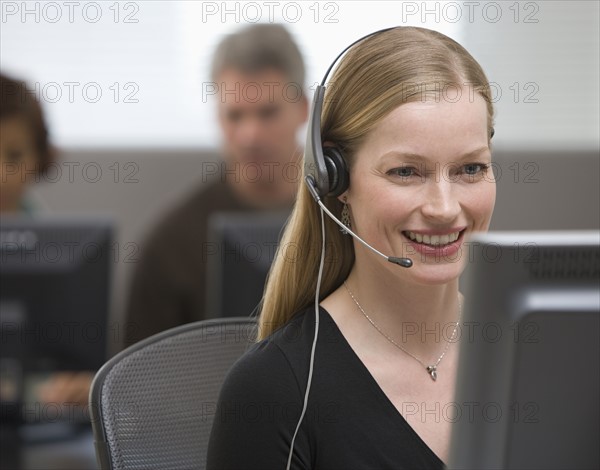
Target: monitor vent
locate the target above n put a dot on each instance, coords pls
(564, 263)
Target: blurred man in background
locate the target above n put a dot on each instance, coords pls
(258, 79)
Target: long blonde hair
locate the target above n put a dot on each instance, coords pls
(374, 77)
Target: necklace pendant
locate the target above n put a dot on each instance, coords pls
(432, 371)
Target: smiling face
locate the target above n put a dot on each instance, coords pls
(421, 178)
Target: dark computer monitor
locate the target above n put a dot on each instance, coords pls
(528, 384)
(239, 252)
(54, 297)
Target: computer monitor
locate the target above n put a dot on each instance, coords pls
(54, 298)
(239, 252)
(528, 383)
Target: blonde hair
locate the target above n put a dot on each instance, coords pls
(375, 76)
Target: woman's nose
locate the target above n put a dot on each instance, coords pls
(441, 203)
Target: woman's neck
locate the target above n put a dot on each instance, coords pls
(421, 318)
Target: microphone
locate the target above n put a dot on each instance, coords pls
(404, 262)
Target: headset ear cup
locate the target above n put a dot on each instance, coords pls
(337, 171)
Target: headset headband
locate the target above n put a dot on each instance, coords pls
(314, 161)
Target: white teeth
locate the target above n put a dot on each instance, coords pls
(434, 240)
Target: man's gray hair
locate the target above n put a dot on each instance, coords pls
(259, 47)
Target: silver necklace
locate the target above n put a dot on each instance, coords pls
(432, 368)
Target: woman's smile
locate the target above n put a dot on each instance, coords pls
(440, 245)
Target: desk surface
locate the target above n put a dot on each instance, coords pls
(48, 447)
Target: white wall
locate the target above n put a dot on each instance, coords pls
(552, 53)
(542, 56)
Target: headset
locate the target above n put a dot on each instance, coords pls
(326, 174)
(325, 168)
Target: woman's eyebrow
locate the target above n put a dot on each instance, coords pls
(416, 156)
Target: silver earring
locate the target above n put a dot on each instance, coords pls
(345, 218)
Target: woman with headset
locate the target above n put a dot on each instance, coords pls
(356, 361)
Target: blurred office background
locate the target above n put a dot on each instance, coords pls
(136, 149)
(125, 88)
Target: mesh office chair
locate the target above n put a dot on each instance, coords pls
(152, 405)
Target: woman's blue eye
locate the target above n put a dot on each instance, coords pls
(403, 172)
(475, 168)
(470, 169)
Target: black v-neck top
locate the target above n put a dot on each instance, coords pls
(350, 424)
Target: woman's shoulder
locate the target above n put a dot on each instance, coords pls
(281, 357)
(260, 401)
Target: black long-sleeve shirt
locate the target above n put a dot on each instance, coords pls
(350, 423)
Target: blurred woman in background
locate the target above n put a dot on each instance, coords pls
(25, 155)
(25, 150)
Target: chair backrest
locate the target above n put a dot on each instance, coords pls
(153, 404)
